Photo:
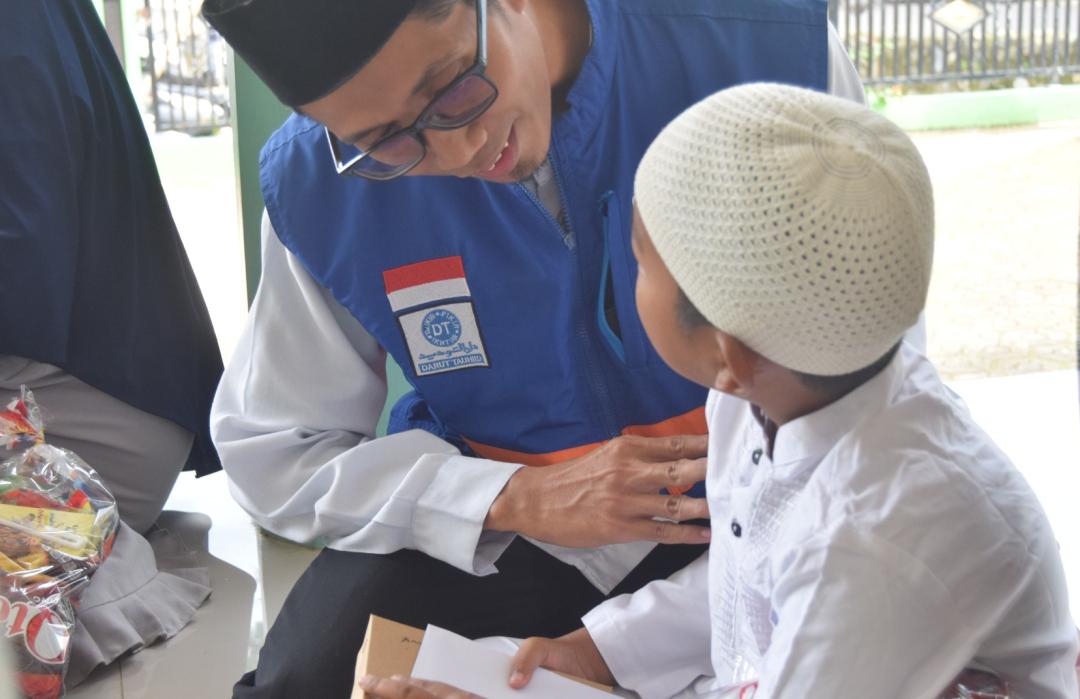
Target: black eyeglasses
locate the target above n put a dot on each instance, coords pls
(456, 105)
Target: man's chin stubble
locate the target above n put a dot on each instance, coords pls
(524, 171)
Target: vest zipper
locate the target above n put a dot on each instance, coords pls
(593, 372)
(566, 234)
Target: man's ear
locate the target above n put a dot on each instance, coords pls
(735, 363)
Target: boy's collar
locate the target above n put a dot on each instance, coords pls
(768, 427)
(812, 436)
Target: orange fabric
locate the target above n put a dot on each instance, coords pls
(692, 422)
(521, 457)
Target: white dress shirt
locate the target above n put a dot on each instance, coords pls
(885, 546)
(294, 423)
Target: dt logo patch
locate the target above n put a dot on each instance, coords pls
(434, 309)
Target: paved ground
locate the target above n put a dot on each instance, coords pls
(198, 176)
(1004, 295)
(1003, 299)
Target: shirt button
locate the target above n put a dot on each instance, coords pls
(736, 529)
(756, 456)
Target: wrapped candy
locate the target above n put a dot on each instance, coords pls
(977, 684)
(57, 524)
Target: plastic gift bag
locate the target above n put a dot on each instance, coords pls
(57, 524)
(977, 684)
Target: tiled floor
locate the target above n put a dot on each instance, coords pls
(250, 574)
(1035, 418)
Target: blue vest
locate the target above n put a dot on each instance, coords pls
(496, 316)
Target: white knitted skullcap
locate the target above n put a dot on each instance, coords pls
(799, 223)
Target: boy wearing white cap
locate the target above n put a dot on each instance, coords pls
(868, 539)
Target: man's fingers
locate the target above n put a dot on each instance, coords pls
(679, 508)
(398, 687)
(671, 533)
(386, 688)
(656, 449)
(444, 691)
(530, 656)
(684, 472)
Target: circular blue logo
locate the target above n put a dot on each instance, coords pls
(441, 327)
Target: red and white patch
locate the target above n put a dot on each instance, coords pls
(423, 282)
(434, 308)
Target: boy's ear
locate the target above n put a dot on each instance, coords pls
(735, 365)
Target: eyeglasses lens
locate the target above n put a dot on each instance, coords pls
(462, 103)
(399, 153)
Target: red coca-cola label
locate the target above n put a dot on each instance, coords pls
(748, 691)
(44, 634)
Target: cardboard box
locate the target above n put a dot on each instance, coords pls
(391, 648)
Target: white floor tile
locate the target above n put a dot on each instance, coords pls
(208, 656)
(103, 683)
(250, 575)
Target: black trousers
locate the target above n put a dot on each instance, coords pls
(311, 649)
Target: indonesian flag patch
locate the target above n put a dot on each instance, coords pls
(434, 308)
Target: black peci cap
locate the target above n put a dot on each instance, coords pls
(305, 49)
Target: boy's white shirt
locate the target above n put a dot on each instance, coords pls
(885, 545)
(294, 423)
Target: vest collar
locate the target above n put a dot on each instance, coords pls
(588, 96)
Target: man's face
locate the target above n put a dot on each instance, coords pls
(687, 351)
(424, 56)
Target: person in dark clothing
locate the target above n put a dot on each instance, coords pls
(102, 316)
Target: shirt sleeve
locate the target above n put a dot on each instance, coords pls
(294, 423)
(843, 78)
(656, 641)
(858, 617)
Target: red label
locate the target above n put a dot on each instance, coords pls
(44, 634)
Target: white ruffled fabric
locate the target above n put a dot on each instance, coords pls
(146, 591)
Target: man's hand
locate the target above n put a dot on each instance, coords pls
(573, 654)
(610, 495)
(398, 687)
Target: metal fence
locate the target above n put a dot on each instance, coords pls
(922, 41)
(891, 42)
(185, 61)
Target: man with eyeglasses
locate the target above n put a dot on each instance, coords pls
(502, 284)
